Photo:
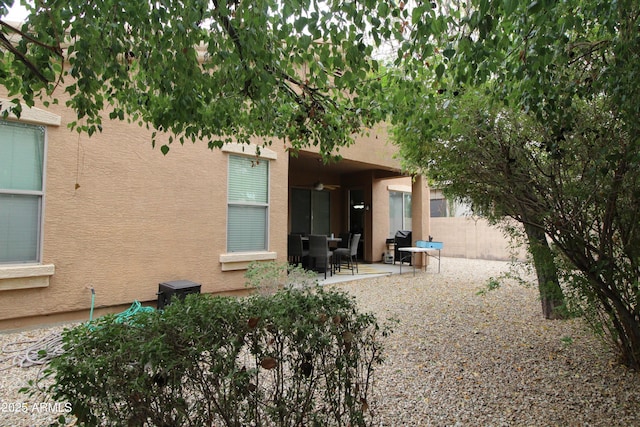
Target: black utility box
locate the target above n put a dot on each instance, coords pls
(175, 288)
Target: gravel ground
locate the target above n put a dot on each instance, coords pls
(455, 358)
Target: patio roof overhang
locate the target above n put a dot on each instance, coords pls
(306, 163)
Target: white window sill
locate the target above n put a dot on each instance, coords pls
(241, 260)
(27, 276)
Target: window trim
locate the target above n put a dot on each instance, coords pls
(233, 261)
(31, 115)
(18, 276)
(25, 276)
(249, 150)
(266, 205)
(403, 191)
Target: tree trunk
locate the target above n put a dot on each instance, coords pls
(623, 316)
(551, 295)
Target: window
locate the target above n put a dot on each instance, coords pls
(439, 208)
(399, 211)
(442, 207)
(21, 191)
(248, 204)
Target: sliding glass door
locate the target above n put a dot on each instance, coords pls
(310, 211)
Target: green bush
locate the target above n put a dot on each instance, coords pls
(296, 357)
(270, 276)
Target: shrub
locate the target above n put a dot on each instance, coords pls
(268, 277)
(296, 357)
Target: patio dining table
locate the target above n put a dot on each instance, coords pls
(329, 239)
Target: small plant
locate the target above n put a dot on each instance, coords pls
(298, 277)
(269, 277)
(266, 277)
(566, 341)
(492, 285)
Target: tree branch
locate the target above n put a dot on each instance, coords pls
(55, 49)
(8, 45)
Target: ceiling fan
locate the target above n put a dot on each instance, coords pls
(319, 186)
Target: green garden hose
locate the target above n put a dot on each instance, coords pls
(28, 353)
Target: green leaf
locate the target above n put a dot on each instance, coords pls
(448, 53)
(510, 6)
(418, 14)
(534, 7)
(300, 24)
(383, 9)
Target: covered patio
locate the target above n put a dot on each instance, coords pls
(350, 196)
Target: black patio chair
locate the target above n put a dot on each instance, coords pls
(319, 254)
(350, 254)
(295, 252)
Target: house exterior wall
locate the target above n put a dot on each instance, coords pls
(420, 211)
(373, 147)
(120, 218)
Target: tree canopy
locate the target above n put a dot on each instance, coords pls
(203, 70)
(544, 129)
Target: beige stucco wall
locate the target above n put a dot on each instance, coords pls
(466, 237)
(380, 202)
(120, 217)
(380, 218)
(375, 147)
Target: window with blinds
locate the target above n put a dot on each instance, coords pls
(21, 191)
(248, 204)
